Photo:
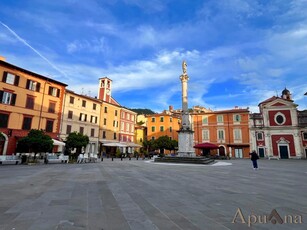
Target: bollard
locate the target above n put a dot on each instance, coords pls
(129, 158)
(101, 158)
(112, 158)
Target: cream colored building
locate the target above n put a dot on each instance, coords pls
(81, 114)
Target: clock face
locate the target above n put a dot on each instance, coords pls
(108, 91)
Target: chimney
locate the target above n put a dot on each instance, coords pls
(2, 58)
(170, 108)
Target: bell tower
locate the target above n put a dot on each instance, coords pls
(285, 94)
(105, 89)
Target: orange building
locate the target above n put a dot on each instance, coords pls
(27, 101)
(229, 129)
(166, 123)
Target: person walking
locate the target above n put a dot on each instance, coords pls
(254, 158)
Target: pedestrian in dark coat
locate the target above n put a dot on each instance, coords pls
(254, 158)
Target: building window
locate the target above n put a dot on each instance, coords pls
(304, 135)
(54, 91)
(153, 138)
(280, 118)
(7, 98)
(114, 136)
(26, 125)
(81, 130)
(220, 134)
(237, 117)
(153, 129)
(220, 118)
(132, 117)
(205, 120)
(70, 114)
(127, 127)
(4, 120)
(51, 108)
(94, 106)
(68, 129)
(153, 119)
(10, 78)
(115, 112)
(82, 117)
(105, 121)
(83, 103)
(122, 126)
(33, 85)
(93, 119)
(260, 136)
(104, 135)
(30, 102)
(92, 132)
(161, 119)
(205, 135)
(170, 129)
(105, 109)
(171, 119)
(71, 100)
(237, 134)
(161, 128)
(49, 126)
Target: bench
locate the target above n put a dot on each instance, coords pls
(52, 158)
(9, 159)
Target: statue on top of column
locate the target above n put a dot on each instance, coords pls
(184, 67)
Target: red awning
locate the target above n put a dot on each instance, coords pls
(206, 145)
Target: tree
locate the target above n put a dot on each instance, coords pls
(174, 145)
(36, 141)
(149, 145)
(76, 140)
(163, 143)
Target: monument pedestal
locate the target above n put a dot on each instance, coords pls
(185, 144)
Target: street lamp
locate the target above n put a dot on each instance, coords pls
(42, 103)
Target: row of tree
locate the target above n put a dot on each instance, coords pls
(37, 141)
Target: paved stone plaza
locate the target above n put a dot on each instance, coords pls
(143, 195)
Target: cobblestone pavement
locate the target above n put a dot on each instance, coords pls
(145, 195)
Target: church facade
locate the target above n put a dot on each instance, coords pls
(279, 129)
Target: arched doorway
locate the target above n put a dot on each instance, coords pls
(222, 151)
(3, 143)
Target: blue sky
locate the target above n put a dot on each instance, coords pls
(238, 52)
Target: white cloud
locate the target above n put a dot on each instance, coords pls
(92, 46)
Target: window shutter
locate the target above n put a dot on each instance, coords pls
(16, 82)
(58, 93)
(50, 90)
(13, 99)
(38, 86)
(1, 96)
(4, 76)
(28, 84)
(85, 117)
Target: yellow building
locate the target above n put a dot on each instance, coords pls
(27, 101)
(81, 114)
(141, 129)
(116, 122)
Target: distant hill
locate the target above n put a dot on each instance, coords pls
(143, 111)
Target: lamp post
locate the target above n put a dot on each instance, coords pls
(42, 103)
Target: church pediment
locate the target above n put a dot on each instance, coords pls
(278, 104)
(281, 103)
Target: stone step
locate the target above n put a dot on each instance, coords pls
(190, 160)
